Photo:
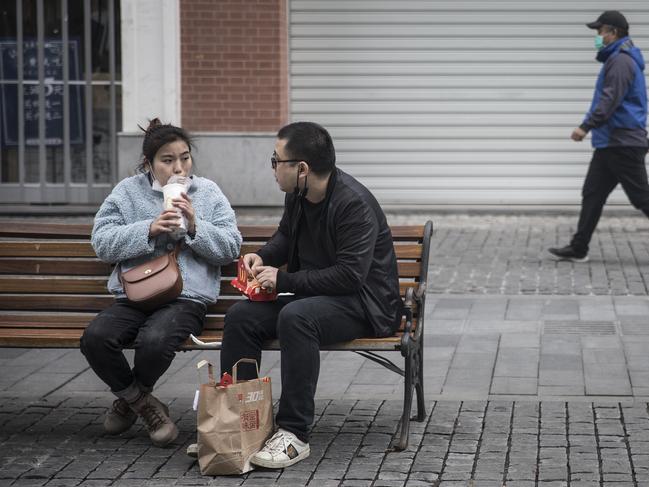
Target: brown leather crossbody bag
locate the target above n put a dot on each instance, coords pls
(154, 283)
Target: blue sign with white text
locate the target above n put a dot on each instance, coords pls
(53, 91)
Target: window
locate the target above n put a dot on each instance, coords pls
(60, 98)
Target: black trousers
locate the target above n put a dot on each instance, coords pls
(302, 325)
(608, 167)
(155, 336)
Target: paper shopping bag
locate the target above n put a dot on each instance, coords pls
(234, 421)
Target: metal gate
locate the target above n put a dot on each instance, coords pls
(60, 100)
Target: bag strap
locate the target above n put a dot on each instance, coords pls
(176, 249)
(243, 360)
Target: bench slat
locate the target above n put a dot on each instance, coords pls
(407, 232)
(92, 285)
(47, 266)
(9, 228)
(70, 285)
(82, 302)
(67, 320)
(69, 338)
(56, 248)
(53, 284)
(74, 320)
(53, 302)
(91, 303)
(42, 320)
(95, 267)
(45, 248)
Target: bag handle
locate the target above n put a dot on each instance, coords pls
(210, 371)
(243, 360)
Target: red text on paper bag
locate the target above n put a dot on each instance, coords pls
(249, 420)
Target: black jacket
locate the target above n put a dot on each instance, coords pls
(357, 243)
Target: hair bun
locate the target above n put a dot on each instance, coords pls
(153, 124)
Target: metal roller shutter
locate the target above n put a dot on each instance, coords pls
(453, 103)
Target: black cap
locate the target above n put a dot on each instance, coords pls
(612, 18)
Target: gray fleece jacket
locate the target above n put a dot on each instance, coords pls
(121, 234)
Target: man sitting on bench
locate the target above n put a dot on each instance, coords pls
(341, 269)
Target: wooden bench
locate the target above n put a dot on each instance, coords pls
(52, 285)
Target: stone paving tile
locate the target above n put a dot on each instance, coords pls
(514, 386)
(517, 362)
(501, 326)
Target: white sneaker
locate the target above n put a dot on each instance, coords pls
(282, 450)
(192, 450)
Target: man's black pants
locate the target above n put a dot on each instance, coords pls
(302, 325)
(608, 167)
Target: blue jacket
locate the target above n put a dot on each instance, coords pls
(121, 234)
(618, 112)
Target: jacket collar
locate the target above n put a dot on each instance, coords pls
(613, 48)
(331, 184)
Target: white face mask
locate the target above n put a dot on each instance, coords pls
(155, 184)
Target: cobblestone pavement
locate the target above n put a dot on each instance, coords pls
(508, 255)
(59, 442)
(536, 373)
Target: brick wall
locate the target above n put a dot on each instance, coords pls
(234, 65)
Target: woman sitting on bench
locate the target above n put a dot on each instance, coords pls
(131, 228)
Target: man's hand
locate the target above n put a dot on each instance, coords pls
(252, 263)
(267, 277)
(166, 222)
(578, 135)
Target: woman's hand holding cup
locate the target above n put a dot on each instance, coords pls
(184, 204)
(167, 222)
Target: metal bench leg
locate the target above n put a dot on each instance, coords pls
(407, 404)
(419, 385)
(414, 381)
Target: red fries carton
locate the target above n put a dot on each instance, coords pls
(250, 287)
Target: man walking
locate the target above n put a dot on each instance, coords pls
(617, 119)
(341, 268)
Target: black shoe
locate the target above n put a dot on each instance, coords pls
(569, 253)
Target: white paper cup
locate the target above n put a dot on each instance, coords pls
(170, 192)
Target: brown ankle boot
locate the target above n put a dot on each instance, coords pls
(161, 428)
(120, 417)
